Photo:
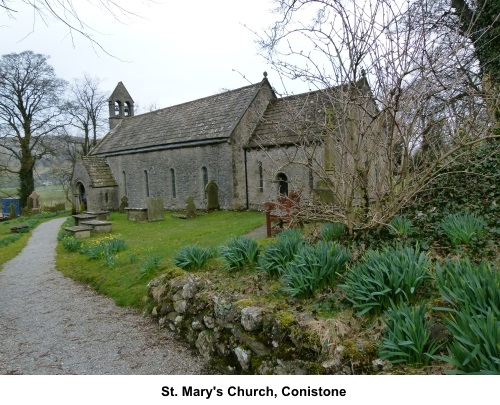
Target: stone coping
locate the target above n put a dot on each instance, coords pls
(78, 228)
(96, 222)
(84, 216)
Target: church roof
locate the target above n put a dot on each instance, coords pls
(206, 120)
(99, 171)
(302, 118)
(291, 120)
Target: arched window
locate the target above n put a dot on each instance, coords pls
(146, 182)
(126, 109)
(172, 183)
(117, 108)
(205, 177)
(282, 184)
(124, 182)
(261, 178)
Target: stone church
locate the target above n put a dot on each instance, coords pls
(252, 144)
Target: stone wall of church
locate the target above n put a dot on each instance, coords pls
(182, 169)
(240, 138)
(263, 184)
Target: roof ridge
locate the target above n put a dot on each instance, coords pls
(200, 99)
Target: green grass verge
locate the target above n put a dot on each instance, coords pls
(14, 243)
(124, 279)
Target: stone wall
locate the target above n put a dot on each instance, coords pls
(239, 138)
(187, 164)
(98, 198)
(237, 335)
(280, 160)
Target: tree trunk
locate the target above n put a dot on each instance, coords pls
(26, 181)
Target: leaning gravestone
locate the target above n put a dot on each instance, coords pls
(190, 207)
(123, 204)
(212, 190)
(155, 209)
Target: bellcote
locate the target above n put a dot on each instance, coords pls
(121, 105)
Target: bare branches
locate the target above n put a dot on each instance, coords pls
(86, 107)
(70, 14)
(30, 109)
(402, 96)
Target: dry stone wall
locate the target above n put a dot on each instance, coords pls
(236, 335)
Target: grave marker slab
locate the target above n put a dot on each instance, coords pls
(156, 211)
(212, 190)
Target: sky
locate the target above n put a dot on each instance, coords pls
(171, 52)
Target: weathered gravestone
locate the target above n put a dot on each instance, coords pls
(33, 202)
(123, 204)
(212, 190)
(190, 207)
(155, 209)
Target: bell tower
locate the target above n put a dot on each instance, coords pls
(121, 105)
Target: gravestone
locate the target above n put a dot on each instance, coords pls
(212, 190)
(155, 209)
(123, 204)
(33, 202)
(190, 207)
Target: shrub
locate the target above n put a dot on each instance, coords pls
(466, 285)
(238, 252)
(332, 231)
(462, 228)
(407, 336)
(192, 257)
(392, 274)
(400, 226)
(281, 252)
(475, 348)
(314, 268)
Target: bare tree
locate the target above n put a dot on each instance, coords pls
(399, 100)
(86, 107)
(30, 109)
(63, 164)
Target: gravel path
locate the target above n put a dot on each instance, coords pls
(50, 324)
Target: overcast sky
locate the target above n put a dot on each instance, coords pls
(175, 52)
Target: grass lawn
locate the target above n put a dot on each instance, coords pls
(49, 195)
(124, 277)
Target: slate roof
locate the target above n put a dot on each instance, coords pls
(209, 119)
(99, 172)
(290, 120)
(301, 118)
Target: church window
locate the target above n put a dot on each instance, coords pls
(261, 178)
(205, 177)
(172, 182)
(126, 109)
(146, 182)
(117, 108)
(124, 182)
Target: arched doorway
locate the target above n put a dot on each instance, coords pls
(282, 184)
(81, 196)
